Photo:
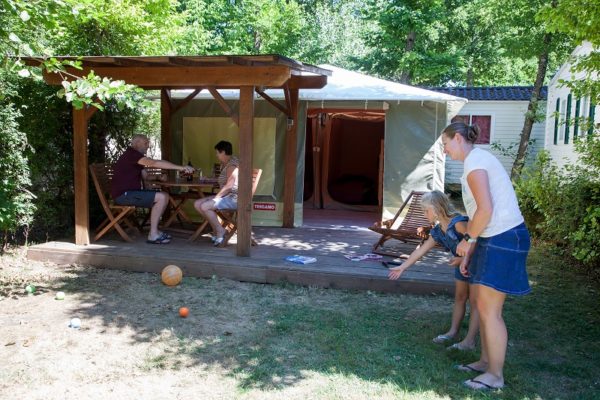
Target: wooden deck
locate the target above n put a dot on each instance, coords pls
(325, 237)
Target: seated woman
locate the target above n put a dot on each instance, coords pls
(226, 198)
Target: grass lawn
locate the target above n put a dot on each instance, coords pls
(250, 341)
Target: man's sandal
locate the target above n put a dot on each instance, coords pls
(161, 239)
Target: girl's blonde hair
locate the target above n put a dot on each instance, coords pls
(439, 202)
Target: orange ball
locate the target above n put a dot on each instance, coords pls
(171, 275)
(184, 312)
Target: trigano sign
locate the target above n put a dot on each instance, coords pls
(264, 206)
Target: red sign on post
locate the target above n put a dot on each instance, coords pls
(264, 206)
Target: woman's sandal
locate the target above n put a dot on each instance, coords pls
(460, 347)
(163, 238)
(479, 385)
(440, 339)
(468, 368)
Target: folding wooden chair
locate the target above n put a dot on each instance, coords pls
(102, 176)
(229, 217)
(406, 229)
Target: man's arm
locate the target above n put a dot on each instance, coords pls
(163, 164)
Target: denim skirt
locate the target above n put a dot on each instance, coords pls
(500, 261)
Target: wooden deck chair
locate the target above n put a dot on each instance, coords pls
(405, 229)
(102, 176)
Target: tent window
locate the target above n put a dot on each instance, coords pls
(483, 121)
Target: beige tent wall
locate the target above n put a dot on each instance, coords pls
(413, 158)
(198, 126)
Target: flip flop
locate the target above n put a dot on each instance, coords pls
(481, 385)
(458, 346)
(442, 339)
(468, 368)
(161, 239)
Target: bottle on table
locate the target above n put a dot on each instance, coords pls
(190, 176)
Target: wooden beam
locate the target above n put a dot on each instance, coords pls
(246, 137)
(232, 76)
(80, 169)
(185, 101)
(273, 102)
(165, 124)
(286, 92)
(291, 162)
(307, 82)
(217, 96)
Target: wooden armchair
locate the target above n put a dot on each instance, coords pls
(407, 229)
(102, 176)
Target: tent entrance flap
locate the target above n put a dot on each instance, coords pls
(344, 159)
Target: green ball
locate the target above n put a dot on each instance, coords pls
(30, 289)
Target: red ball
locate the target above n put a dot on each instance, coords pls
(184, 312)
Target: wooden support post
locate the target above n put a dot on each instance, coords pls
(80, 169)
(291, 161)
(244, 220)
(165, 124)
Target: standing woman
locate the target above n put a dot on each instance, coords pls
(496, 242)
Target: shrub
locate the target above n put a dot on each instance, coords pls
(562, 205)
(16, 208)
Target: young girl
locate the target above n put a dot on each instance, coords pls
(448, 230)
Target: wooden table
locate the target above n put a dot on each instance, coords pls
(194, 188)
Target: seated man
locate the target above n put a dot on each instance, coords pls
(126, 189)
(226, 198)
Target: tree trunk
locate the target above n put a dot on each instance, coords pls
(470, 77)
(405, 75)
(532, 108)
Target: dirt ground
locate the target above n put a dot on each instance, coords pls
(133, 344)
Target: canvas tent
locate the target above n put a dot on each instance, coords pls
(406, 122)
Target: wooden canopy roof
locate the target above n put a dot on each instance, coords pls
(153, 72)
(249, 74)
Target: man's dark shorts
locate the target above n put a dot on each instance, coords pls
(138, 198)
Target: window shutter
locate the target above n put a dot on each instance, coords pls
(556, 116)
(568, 118)
(576, 126)
(592, 117)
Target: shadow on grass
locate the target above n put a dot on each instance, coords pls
(270, 337)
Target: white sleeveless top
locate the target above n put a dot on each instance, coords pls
(506, 213)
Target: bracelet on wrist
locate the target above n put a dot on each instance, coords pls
(469, 239)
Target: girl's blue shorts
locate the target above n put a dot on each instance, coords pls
(500, 261)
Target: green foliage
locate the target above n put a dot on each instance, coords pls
(510, 150)
(118, 27)
(95, 91)
(242, 27)
(562, 205)
(580, 19)
(16, 208)
(406, 40)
